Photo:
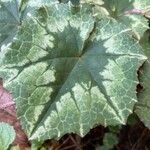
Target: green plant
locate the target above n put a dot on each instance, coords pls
(7, 135)
(109, 141)
(71, 67)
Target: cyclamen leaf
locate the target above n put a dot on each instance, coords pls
(39, 3)
(67, 74)
(141, 4)
(74, 2)
(8, 115)
(9, 21)
(109, 141)
(129, 12)
(143, 105)
(7, 135)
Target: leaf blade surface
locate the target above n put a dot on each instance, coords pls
(65, 72)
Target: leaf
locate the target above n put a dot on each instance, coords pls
(94, 2)
(7, 135)
(15, 148)
(73, 2)
(115, 129)
(9, 21)
(132, 119)
(110, 139)
(130, 13)
(143, 106)
(39, 3)
(68, 73)
(98, 10)
(8, 115)
(5, 99)
(36, 145)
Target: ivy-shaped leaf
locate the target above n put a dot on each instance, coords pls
(129, 12)
(68, 73)
(7, 135)
(9, 21)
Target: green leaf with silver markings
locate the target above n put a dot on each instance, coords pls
(68, 73)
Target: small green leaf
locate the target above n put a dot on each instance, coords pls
(7, 135)
(36, 145)
(115, 129)
(15, 148)
(110, 140)
(132, 119)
